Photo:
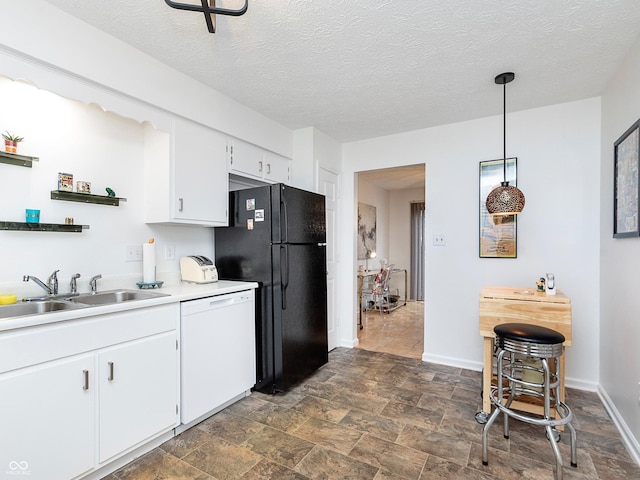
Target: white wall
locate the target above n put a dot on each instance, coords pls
(400, 227)
(558, 150)
(375, 196)
(620, 263)
(94, 146)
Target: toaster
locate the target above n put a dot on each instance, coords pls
(197, 269)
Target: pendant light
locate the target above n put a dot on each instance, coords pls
(505, 199)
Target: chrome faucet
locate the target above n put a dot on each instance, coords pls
(93, 283)
(53, 282)
(74, 285)
(26, 278)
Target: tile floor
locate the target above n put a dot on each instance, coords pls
(372, 415)
(400, 332)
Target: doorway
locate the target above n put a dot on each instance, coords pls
(387, 195)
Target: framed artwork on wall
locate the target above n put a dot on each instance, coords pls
(626, 187)
(366, 231)
(498, 233)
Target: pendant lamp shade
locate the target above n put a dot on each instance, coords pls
(505, 199)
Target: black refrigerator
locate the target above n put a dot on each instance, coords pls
(277, 238)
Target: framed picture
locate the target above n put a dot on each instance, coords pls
(498, 233)
(366, 231)
(626, 190)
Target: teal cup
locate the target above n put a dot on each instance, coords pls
(33, 216)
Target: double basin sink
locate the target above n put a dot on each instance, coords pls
(47, 305)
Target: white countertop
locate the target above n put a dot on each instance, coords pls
(176, 293)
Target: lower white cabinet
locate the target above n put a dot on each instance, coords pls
(137, 392)
(78, 394)
(47, 414)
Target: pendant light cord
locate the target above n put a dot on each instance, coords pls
(504, 133)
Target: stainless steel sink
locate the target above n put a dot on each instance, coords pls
(114, 296)
(34, 308)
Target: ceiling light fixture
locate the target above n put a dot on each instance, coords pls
(210, 11)
(505, 199)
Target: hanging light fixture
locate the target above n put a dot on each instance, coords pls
(505, 199)
(210, 11)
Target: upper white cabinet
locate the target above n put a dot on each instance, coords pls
(250, 161)
(186, 175)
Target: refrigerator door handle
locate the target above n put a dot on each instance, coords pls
(285, 224)
(284, 274)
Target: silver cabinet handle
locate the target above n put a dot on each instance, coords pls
(85, 374)
(110, 378)
(181, 204)
(260, 166)
(268, 169)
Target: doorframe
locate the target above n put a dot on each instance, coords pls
(347, 268)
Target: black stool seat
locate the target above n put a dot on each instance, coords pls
(524, 332)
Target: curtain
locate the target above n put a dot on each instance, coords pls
(416, 290)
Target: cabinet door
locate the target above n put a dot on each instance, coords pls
(138, 392)
(276, 168)
(47, 415)
(200, 175)
(245, 159)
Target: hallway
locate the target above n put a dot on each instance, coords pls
(400, 333)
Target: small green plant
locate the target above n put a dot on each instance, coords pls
(12, 138)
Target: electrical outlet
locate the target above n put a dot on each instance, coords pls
(133, 253)
(439, 240)
(170, 252)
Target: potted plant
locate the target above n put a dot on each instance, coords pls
(11, 142)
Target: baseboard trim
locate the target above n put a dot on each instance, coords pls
(452, 362)
(629, 440)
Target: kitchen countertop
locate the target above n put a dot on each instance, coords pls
(176, 293)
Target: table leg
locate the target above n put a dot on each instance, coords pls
(487, 373)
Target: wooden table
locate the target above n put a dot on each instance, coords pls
(520, 305)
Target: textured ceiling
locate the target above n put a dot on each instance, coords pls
(358, 69)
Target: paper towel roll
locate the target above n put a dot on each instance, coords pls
(148, 262)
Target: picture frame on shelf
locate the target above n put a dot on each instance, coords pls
(498, 234)
(626, 183)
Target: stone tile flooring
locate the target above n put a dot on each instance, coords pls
(372, 415)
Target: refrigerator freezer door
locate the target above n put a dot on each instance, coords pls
(298, 216)
(300, 312)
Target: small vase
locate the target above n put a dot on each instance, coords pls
(10, 146)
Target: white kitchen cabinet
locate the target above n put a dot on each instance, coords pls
(250, 161)
(57, 404)
(186, 175)
(276, 168)
(47, 414)
(138, 395)
(218, 354)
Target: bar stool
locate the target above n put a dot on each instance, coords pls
(516, 342)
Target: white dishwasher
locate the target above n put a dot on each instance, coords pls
(218, 354)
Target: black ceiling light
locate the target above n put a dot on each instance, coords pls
(505, 199)
(210, 11)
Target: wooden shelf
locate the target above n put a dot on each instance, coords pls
(42, 227)
(15, 159)
(86, 198)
